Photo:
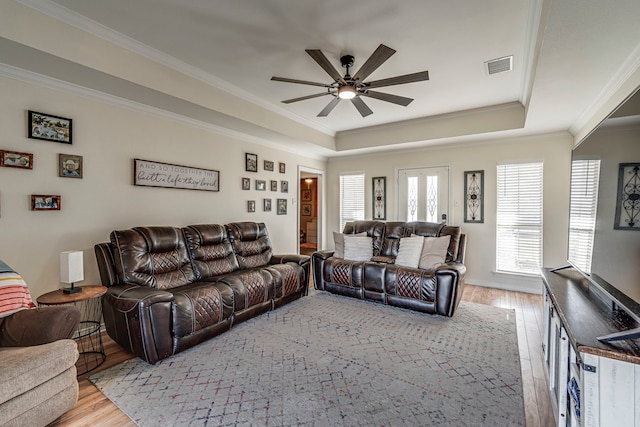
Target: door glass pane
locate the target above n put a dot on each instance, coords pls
(412, 198)
(432, 198)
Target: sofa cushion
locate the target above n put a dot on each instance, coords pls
(454, 232)
(210, 250)
(434, 251)
(374, 229)
(251, 243)
(358, 248)
(338, 241)
(200, 305)
(152, 256)
(393, 232)
(410, 251)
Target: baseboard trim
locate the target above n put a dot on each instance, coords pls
(523, 286)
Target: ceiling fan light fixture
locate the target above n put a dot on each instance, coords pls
(346, 92)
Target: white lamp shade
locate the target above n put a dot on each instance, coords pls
(71, 267)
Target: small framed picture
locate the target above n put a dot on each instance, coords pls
(41, 202)
(283, 167)
(261, 185)
(49, 128)
(266, 205)
(274, 185)
(285, 186)
(251, 205)
(306, 209)
(282, 206)
(69, 166)
(246, 184)
(251, 162)
(16, 159)
(306, 195)
(268, 165)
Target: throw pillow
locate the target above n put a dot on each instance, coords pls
(358, 248)
(338, 241)
(14, 293)
(434, 251)
(409, 252)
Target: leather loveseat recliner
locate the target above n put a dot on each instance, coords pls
(171, 288)
(435, 291)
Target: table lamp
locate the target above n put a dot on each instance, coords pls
(71, 270)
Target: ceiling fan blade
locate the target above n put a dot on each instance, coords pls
(302, 98)
(395, 99)
(377, 58)
(361, 106)
(399, 80)
(322, 61)
(330, 106)
(302, 82)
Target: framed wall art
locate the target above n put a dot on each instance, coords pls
(246, 184)
(48, 127)
(266, 205)
(268, 165)
(628, 197)
(251, 162)
(282, 206)
(16, 159)
(474, 196)
(274, 185)
(306, 195)
(45, 202)
(284, 185)
(283, 167)
(147, 173)
(251, 205)
(379, 188)
(306, 209)
(261, 185)
(69, 166)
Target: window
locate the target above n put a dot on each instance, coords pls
(582, 216)
(351, 198)
(519, 218)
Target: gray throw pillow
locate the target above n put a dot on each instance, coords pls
(338, 241)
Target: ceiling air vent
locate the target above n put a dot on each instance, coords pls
(499, 65)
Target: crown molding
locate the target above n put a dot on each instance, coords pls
(115, 101)
(103, 32)
(628, 68)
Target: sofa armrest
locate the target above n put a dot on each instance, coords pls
(303, 261)
(139, 319)
(318, 259)
(450, 285)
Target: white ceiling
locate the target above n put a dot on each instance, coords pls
(568, 54)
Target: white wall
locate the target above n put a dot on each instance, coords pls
(109, 137)
(554, 150)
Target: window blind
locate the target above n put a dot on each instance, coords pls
(519, 218)
(351, 198)
(585, 175)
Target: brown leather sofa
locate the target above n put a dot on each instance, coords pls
(434, 291)
(171, 288)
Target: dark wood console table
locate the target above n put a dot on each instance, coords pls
(592, 383)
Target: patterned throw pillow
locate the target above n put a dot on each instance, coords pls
(14, 293)
(409, 252)
(434, 251)
(357, 248)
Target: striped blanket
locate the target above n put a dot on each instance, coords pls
(14, 293)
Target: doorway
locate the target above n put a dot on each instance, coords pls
(310, 207)
(423, 194)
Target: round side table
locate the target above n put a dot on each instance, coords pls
(87, 336)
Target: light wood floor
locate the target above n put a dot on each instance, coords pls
(94, 409)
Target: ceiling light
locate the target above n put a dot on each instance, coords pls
(346, 92)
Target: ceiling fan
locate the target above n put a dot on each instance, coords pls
(353, 87)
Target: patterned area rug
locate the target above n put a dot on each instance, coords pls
(328, 360)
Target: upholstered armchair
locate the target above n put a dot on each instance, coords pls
(38, 380)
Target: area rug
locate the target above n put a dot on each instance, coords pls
(328, 360)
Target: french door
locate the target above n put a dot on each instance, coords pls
(423, 194)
